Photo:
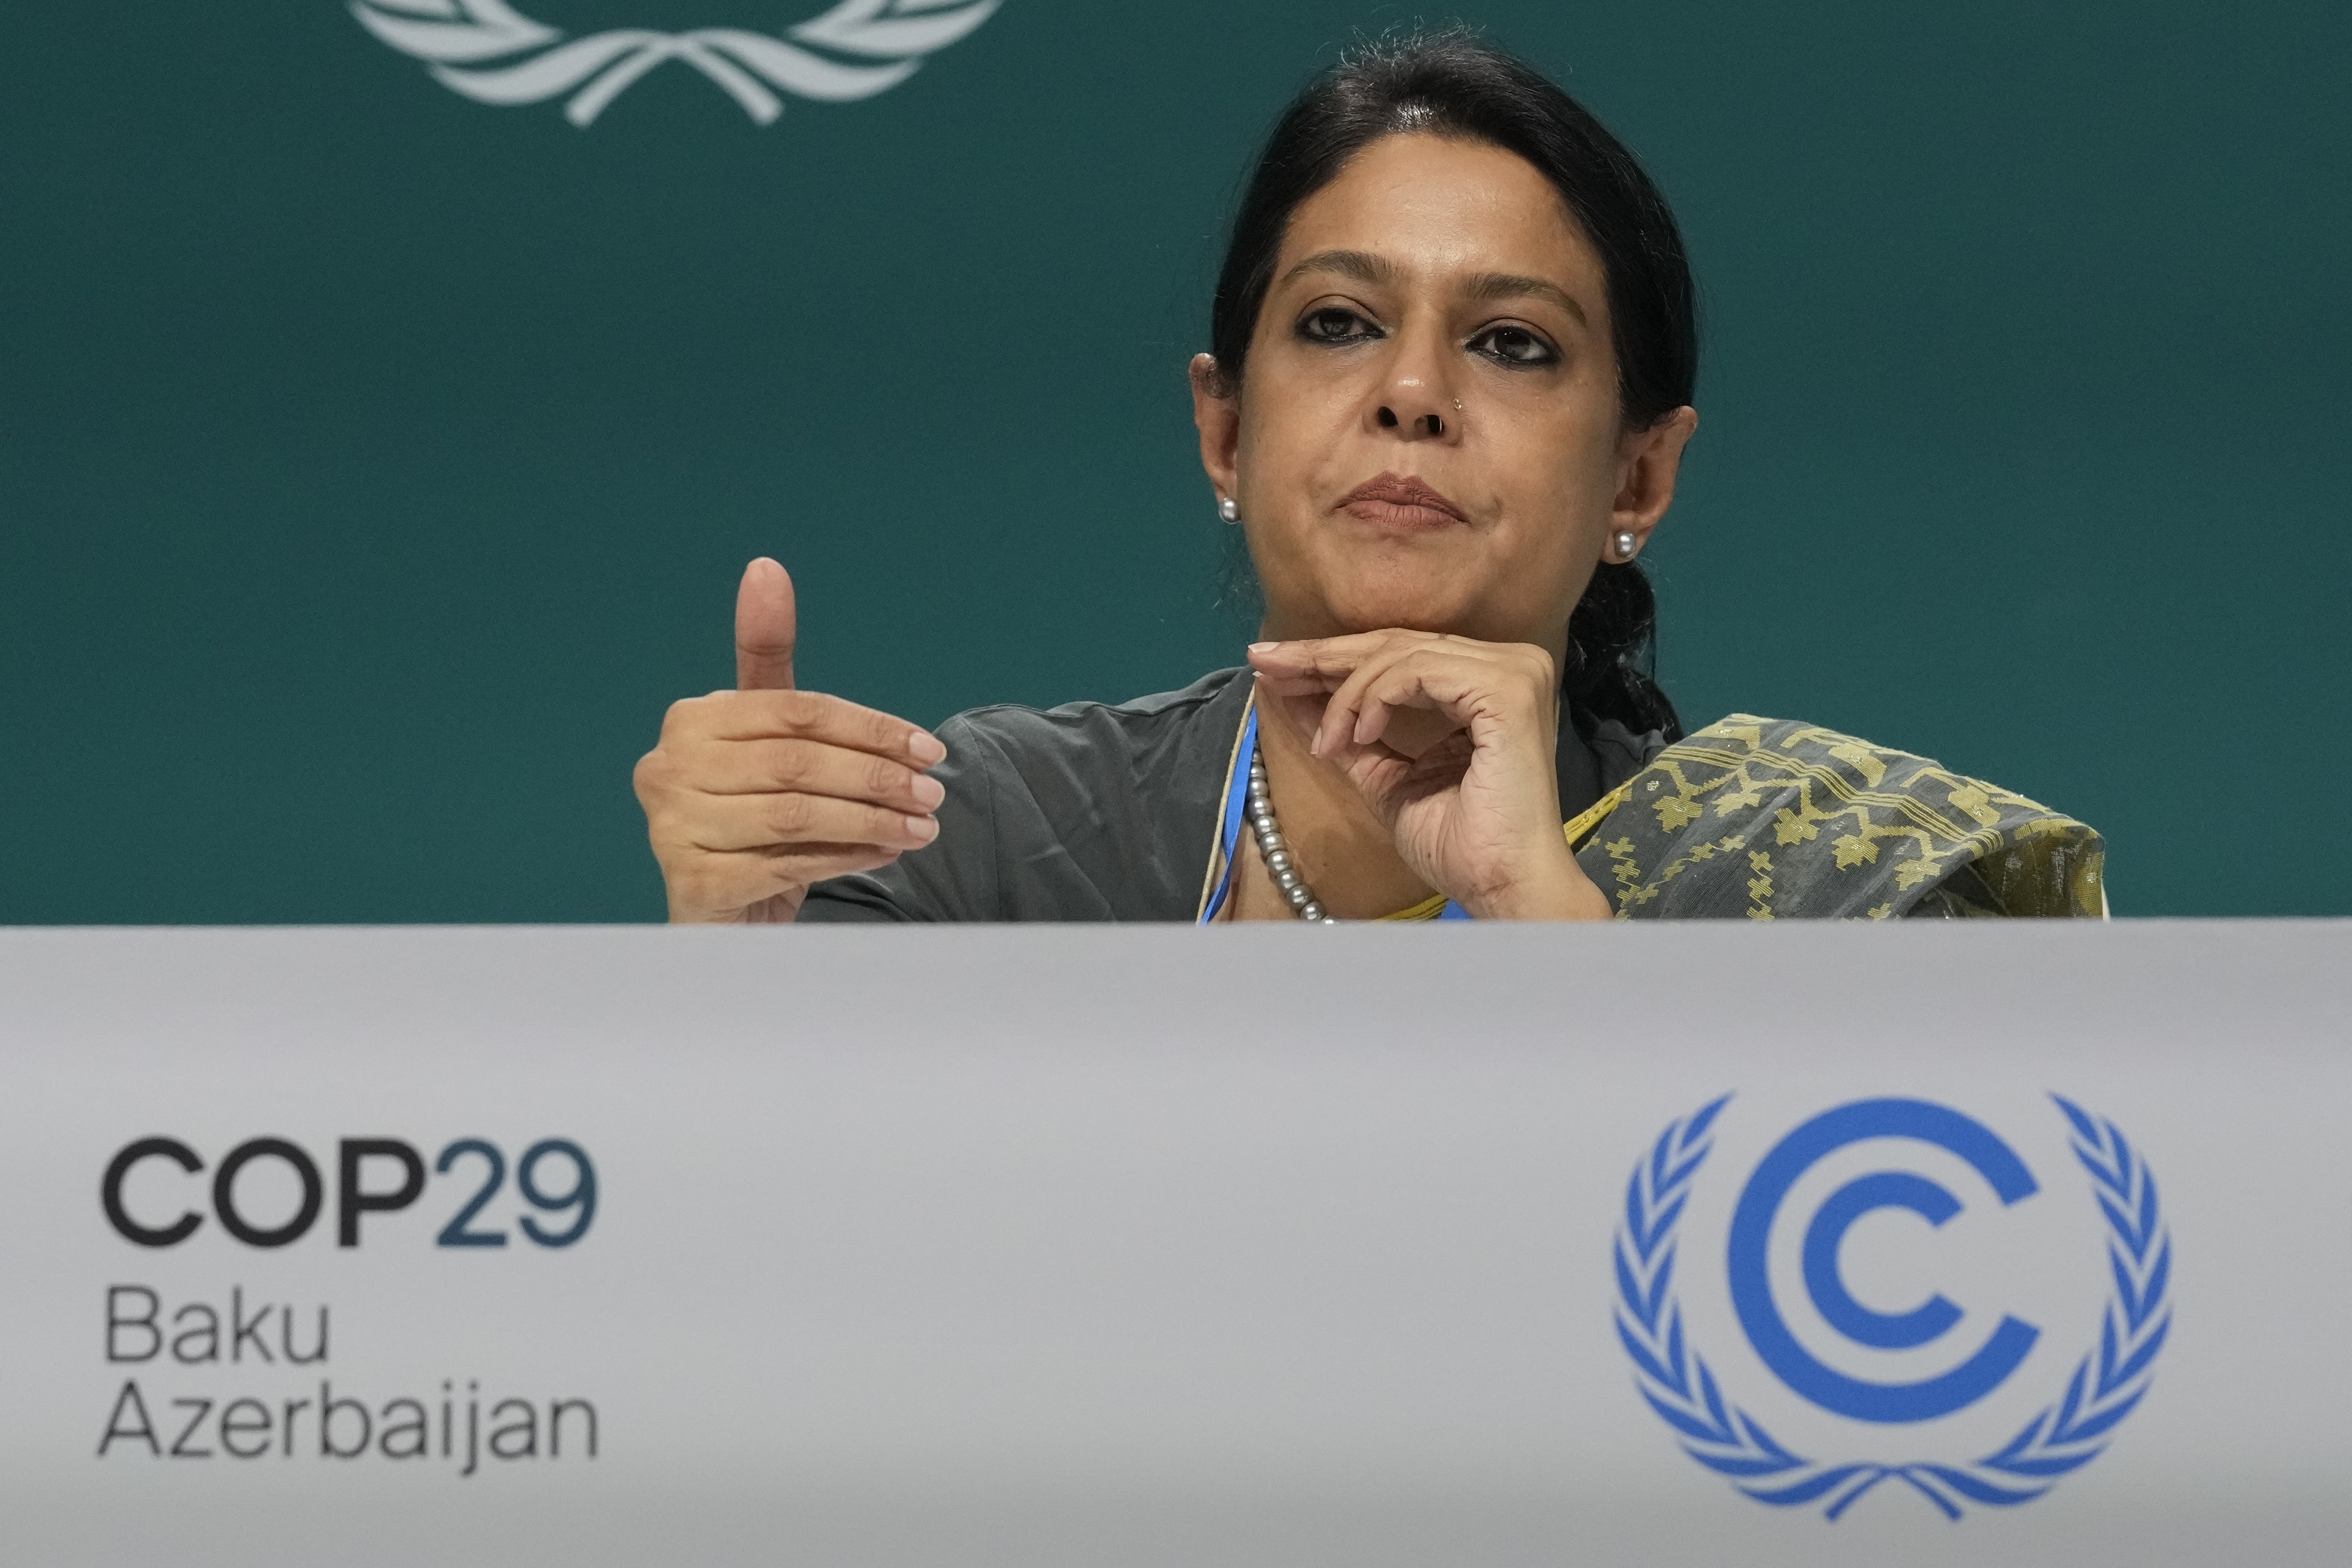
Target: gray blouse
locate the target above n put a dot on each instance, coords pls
(1100, 812)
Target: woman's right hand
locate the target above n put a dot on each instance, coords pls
(751, 794)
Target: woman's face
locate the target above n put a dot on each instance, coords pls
(1428, 434)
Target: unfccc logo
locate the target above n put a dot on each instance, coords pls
(492, 53)
(1895, 1429)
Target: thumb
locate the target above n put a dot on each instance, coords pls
(765, 626)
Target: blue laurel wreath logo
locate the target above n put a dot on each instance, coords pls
(2106, 1386)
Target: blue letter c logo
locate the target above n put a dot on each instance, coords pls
(1751, 1232)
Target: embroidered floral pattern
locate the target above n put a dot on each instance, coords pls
(1855, 830)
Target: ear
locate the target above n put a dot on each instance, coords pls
(1648, 462)
(1217, 414)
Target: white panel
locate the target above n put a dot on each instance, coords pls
(1080, 1247)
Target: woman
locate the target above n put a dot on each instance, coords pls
(1452, 355)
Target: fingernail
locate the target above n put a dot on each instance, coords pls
(929, 791)
(923, 828)
(1263, 647)
(926, 748)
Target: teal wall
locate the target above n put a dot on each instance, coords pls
(376, 464)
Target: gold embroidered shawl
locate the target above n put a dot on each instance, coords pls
(1769, 818)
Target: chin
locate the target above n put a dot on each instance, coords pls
(1413, 608)
(1420, 584)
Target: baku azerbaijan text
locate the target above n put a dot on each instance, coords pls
(462, 1427)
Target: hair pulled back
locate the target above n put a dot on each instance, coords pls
(1455, 84)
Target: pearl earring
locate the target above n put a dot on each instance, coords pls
(1625, 543)
(1229, 509)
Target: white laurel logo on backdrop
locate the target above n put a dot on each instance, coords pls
(494, 54)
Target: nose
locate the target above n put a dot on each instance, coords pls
(1414, 400)
(1423, 425)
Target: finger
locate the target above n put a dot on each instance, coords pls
(811, 716)
(1310, 684)
(1312, 669)
(766, 626)
(1431, 693)
(1333, 657)
(1459, 690)
(815, 862)
(739, 879)
(1378, 773)
(724, 821)
(1328, 665)
(1404, 683)
(1344, 718)
(812, 767)
(1412, 730)
(1453, 676)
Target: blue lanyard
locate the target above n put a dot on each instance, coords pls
(1229, 827)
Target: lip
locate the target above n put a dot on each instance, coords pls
(1400, 501)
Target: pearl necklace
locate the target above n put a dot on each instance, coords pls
(1271, 845)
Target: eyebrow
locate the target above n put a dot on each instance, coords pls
(1365, 267)
(1511, 286)
(1360, 265)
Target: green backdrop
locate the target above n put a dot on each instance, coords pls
(376, 464)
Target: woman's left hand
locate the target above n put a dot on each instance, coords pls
(1452, 743)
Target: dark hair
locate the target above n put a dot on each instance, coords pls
(1455, 84)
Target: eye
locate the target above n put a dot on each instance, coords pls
(1336, 324)
(1515, 346)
